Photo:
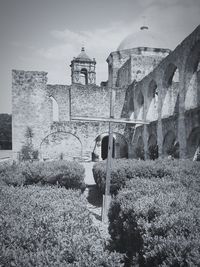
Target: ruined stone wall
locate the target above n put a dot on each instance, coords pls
(61, 93)
(117, 59)
(90, 101)
(124, 74)
(142, 65)
(81, 138)
(119, 101)
(30, 107)
(168, 94)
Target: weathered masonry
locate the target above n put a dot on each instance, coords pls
(149, 83)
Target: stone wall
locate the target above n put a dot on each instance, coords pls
(90, 101)
(61, 93)
(30, 107)
(141, 58)
(33, 108)
(168, 95)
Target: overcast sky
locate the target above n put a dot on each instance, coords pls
(46, 34)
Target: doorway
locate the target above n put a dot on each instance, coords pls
(104, 147)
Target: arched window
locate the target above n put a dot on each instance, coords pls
(152, 110)
(152, 147)
(192, 78)
(193, 144)
(131, 108)
(55, 111)
(140, 104)
(170, 145)
(84, 76)
(170, 104)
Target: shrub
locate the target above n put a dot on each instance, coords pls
(64, 173)
(45, 226)
(124, 170)
(28, 153)
(156, 223)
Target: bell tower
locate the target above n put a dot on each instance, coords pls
(83, 69)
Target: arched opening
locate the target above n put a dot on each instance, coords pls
(152, 113)
(120, 147)
(170, 145)
(193, 144)
(152, 147)
(55, 111)
(131, 108)
(140, 104)
(104, 147)
(171, 86)
(61, 145)
(84, 77)
(192, 78)
(139, 151)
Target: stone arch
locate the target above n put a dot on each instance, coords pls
(152, 95)
(120, 146)
(84, 76)
(152, 147)
(61, 145)
(193, 143)
(140, 105)
(54, 109)
(170, 145)
(131, 107)
(139, 150)
(192, 78)
(170, 104)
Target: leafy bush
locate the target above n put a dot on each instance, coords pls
(124, 170)
(45, 226)
(28, 153)
(64, 173)
(156, 223)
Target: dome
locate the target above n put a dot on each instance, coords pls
(83, 56)
(142, 38)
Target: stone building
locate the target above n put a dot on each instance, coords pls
(146, 81)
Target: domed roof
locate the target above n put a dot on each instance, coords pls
(142, 38)
(83, 56)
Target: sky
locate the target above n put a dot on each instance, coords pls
(45, 35)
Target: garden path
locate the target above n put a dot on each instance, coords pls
(95, 200)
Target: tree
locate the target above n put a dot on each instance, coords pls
(5, 131)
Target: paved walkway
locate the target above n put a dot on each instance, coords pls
(89, 179)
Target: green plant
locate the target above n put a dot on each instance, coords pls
(45, 226)
(28, 153)
(156, 223)
(64, 173)
(153, 152)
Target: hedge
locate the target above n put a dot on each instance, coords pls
(65, 173)
(49, 226)
(124, 170)
(156, 222)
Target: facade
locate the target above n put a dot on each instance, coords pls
(151, 84)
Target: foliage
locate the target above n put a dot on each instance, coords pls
(153, 152)
(156, 222)
(28, 153)
(45, 226)
(139, 151)
(126, 169)
(64, 173)
(5, 131)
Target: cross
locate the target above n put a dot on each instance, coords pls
(107, 196)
